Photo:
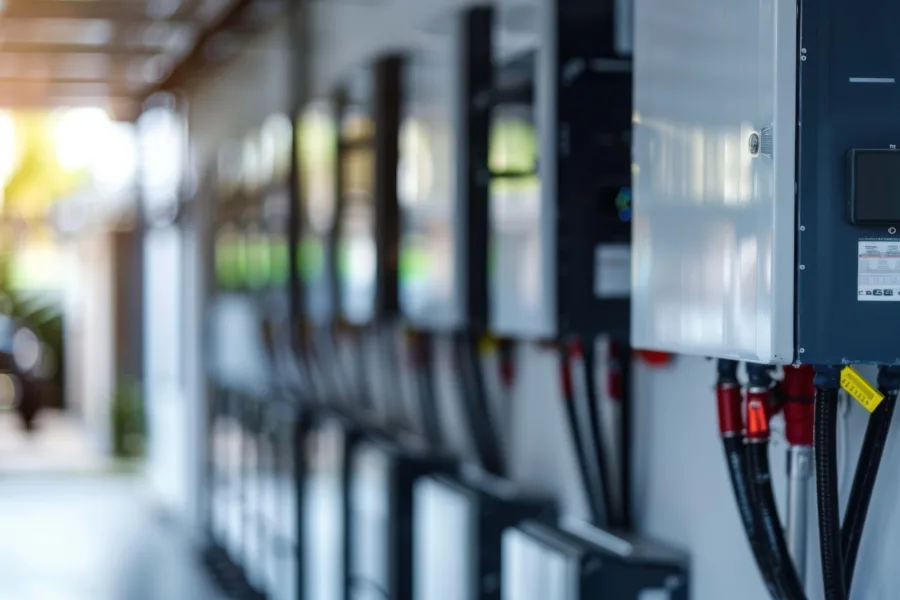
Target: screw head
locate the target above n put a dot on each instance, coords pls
(803, 58)
(803, 228)
(892, 230)
(801, 351)
(802, 267)
(753, 144)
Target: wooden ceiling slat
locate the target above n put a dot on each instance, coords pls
(51, 49)
(113, 10)
(114, 86)
(56, 70)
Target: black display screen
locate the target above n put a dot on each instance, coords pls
(875, 186)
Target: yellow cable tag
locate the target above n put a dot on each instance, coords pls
(863, 391)
(488, 345)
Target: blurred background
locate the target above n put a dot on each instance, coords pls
(125, 309)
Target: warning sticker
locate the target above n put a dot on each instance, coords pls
(879, 271)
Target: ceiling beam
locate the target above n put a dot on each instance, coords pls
(114, 86)
(59, 89)
(198, 58)
(112, 10)
(121, 108)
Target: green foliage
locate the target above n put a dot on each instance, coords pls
(127, 421)
(38, 180)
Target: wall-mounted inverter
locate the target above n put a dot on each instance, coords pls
(559, 171)
(317, 163)
(766, 180)
(442, 188)
(367, 254)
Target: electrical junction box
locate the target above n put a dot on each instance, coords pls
(382, 476)
(765, 218)
(442, 191)
(559, 167)
(318, 151)
(580, 562)
(458, 530)
(368, 156)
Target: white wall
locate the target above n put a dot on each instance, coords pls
(681, 489)
(90, 359)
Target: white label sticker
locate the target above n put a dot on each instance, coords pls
(879, 271)
(659, 594)
(612, 271)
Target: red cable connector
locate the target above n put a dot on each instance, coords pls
(565, 380)
(507, 363)
(614, 376)
(799, 393)
(729, 400)
(758, 410)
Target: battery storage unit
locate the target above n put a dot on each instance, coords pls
(581, 562)
(458, 530)
(765, 178)
(327, 443)
(559, 167)
(383, 475)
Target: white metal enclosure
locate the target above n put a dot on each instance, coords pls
(713, 255)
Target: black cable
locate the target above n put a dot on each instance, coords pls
(775, 546)
(424, 373)
(565, 367)
(298, 459)
(596, 427)
(363, 389)
(867, 471)
(729, 400)
(335, 383)
(483, 406)
(825, 447)
(507, 371)
(397, 416)
(736, 461)
(477, 412)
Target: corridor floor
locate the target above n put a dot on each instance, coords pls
(90, 537)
